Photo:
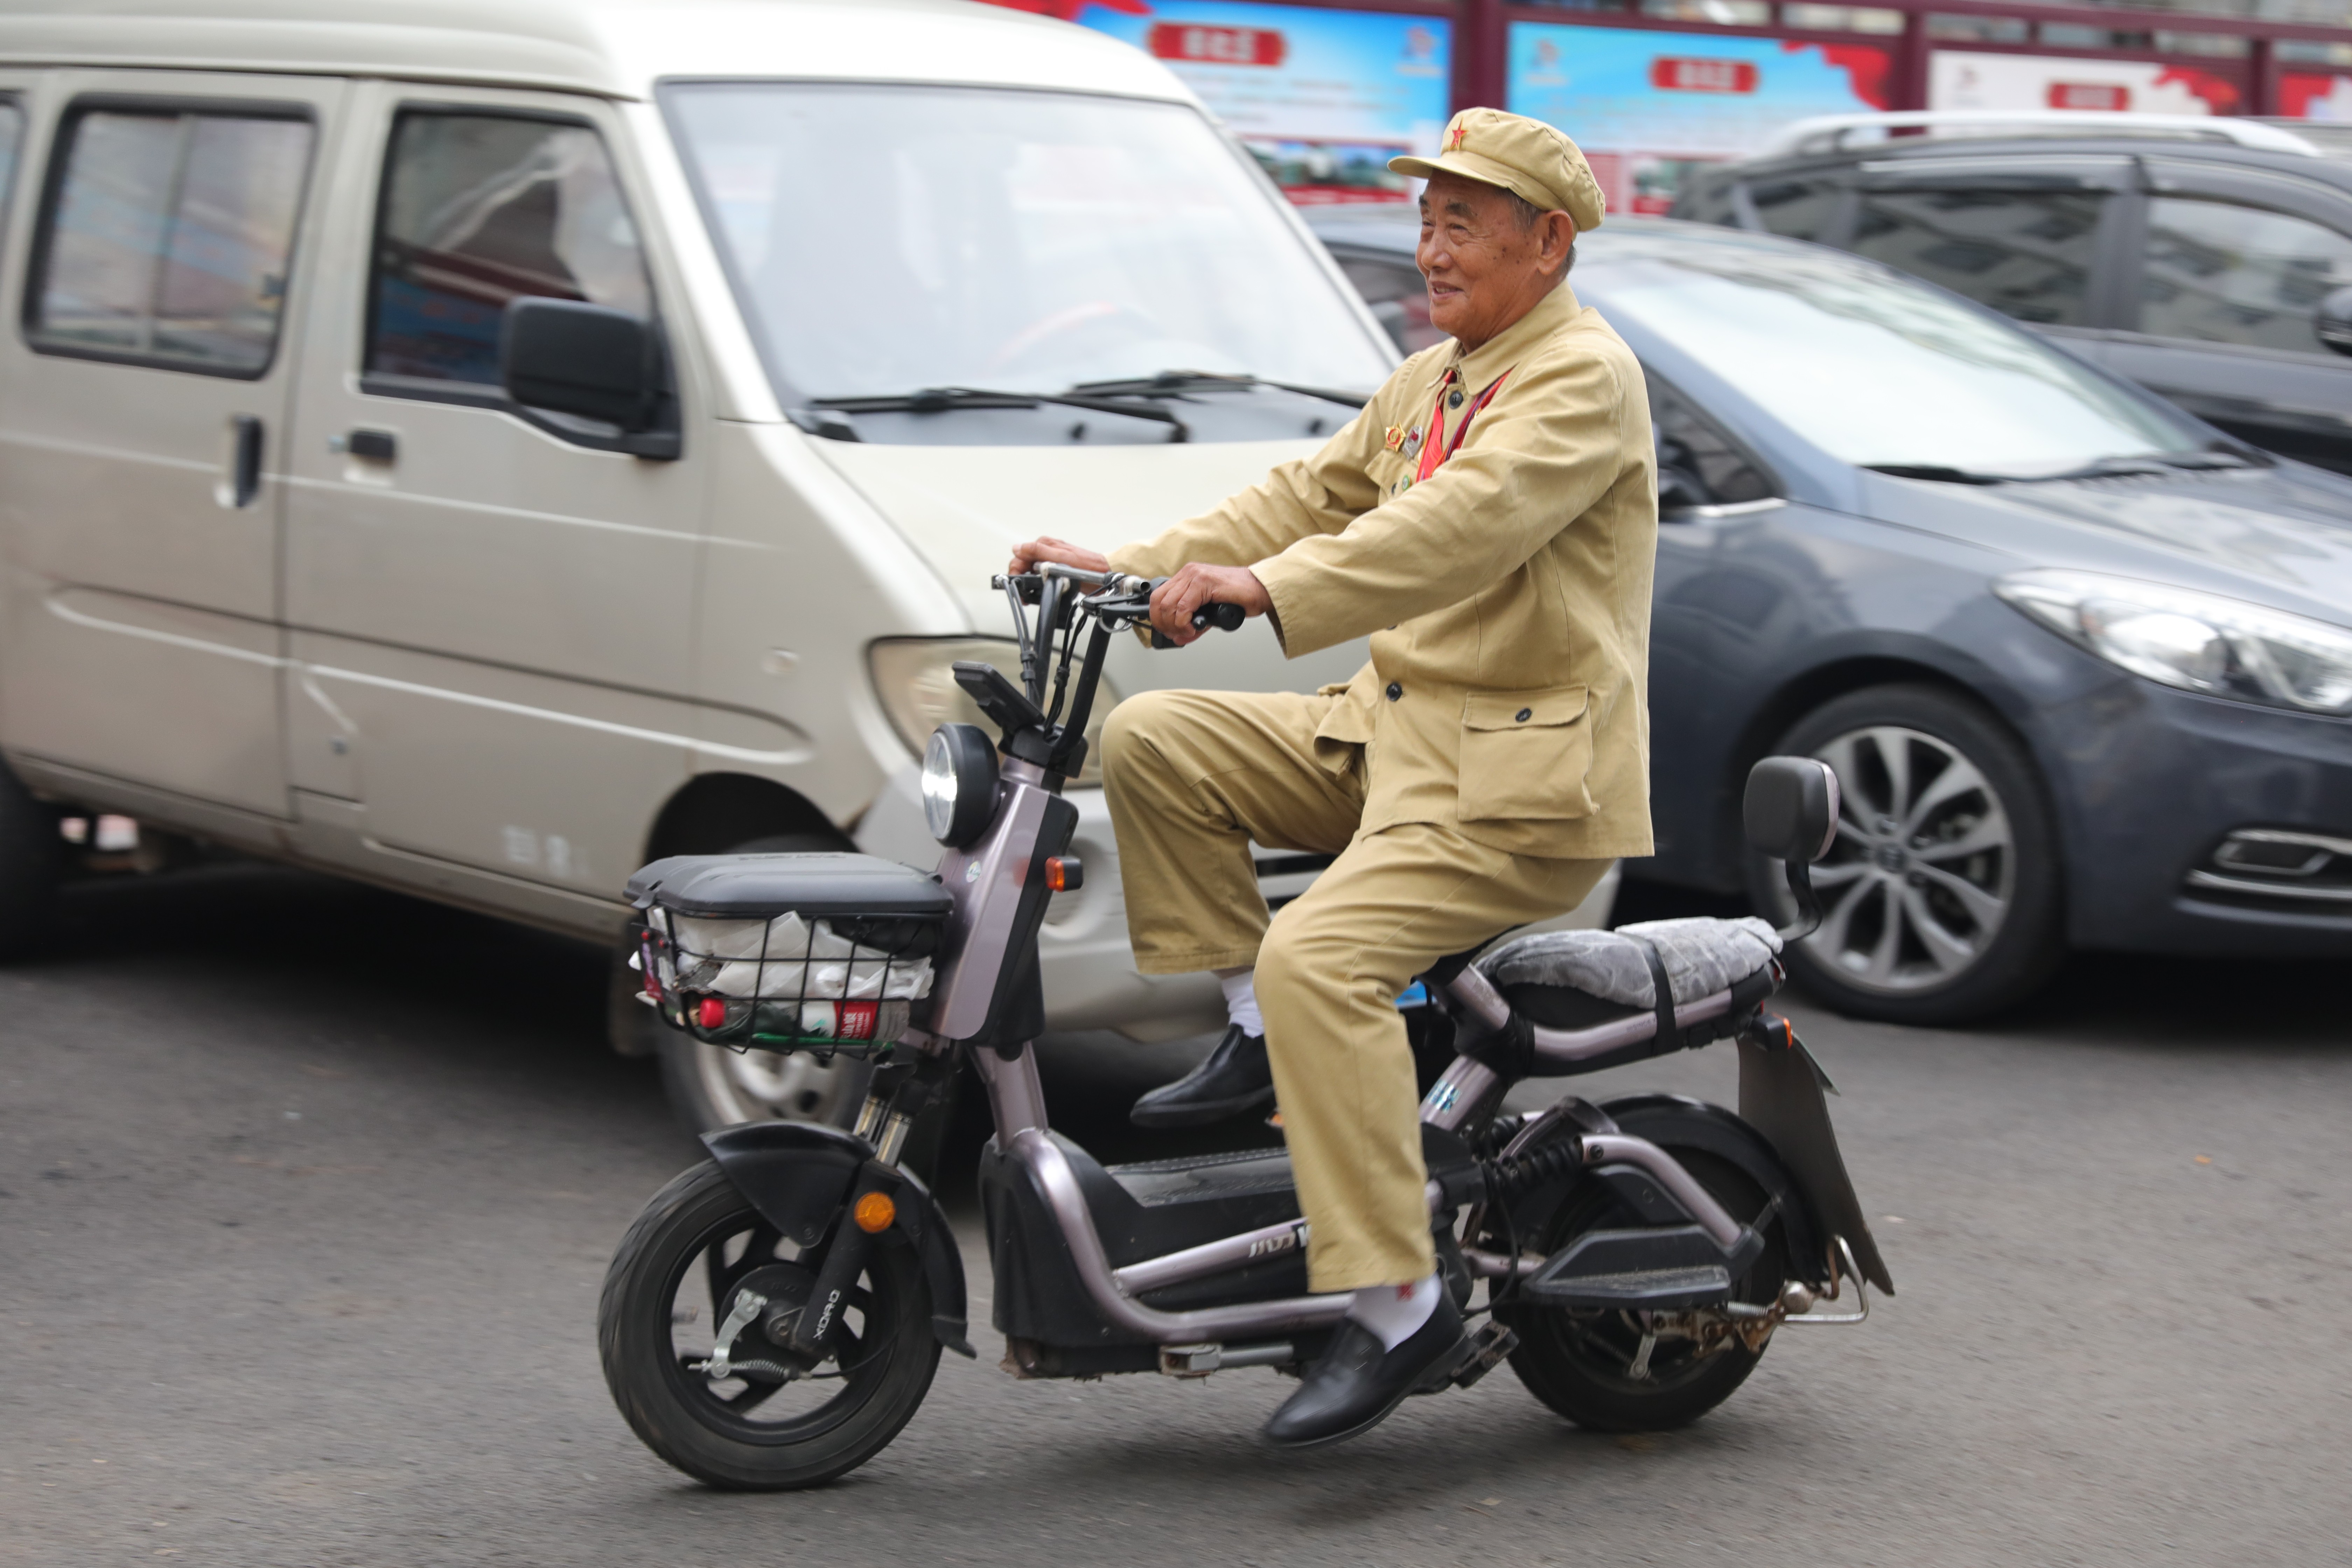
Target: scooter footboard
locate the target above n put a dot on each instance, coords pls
(1040, 1293)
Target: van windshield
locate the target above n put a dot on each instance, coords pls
(888, 240)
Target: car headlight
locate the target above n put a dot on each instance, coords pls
(2197, 641)
(959, 784)
(914, 677)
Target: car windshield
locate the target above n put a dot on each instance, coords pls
(1873, 368)
(889, 239)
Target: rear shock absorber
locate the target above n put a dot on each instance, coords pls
(1506, 1179)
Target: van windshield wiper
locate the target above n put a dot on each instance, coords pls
(943, 399)
(1171, 382)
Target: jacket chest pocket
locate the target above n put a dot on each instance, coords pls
(1525, 755)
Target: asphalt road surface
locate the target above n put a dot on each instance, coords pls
(305, 1192)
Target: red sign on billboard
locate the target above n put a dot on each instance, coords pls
(1217, 46)
(2108, 95)
(1682, 73)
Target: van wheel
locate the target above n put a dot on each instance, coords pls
(710, 1087)
(32, 866)
(1941, 895)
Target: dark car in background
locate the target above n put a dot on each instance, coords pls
(2083, 664)
(2210, 263)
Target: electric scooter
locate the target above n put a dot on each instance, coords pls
(775, 1315)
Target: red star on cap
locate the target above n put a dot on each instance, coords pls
(1459, 133)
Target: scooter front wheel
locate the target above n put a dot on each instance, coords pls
(700, 1266)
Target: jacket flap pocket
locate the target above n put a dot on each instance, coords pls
(1523, 710)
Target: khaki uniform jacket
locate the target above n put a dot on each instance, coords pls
(1508, 596)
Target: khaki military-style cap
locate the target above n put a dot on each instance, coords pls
(1526, 157)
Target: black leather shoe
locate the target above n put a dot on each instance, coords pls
(1235, 1079)
(1354, 1384)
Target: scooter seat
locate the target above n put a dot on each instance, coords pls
(1575, 979)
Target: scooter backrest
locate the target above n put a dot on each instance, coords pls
(1790, 809)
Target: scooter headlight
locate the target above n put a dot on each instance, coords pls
(959, 784)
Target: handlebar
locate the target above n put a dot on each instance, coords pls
(1050, 606)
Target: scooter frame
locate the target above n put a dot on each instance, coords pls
(989, 956)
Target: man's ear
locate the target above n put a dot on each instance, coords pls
(1557, 232)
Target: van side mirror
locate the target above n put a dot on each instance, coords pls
(1790, 813)
(2333, 321)
(567, 357)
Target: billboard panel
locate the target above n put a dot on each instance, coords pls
(1646, 105)
(1324, 98)
(2315, 95)
(1960, 78)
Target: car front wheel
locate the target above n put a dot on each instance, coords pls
(1941, 894)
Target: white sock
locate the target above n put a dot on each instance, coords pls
(1395, 1312)
(1241, 999)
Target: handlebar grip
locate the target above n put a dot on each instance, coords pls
(1209, 616)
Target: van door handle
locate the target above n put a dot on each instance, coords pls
(244, 461)
(370, 446)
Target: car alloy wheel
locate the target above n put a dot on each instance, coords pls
(1917, 885)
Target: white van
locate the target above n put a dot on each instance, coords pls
(809, 309)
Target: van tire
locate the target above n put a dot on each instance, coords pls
(32, 866)
(710, 1087)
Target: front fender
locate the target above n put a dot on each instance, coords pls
(799, 1175)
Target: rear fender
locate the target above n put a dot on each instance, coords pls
(1780, 1097)
(798, 1175)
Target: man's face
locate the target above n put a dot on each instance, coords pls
(1484, 271)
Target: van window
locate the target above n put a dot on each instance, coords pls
(2027, 254)
(2222, 273)
(479, 209)
(167, 237)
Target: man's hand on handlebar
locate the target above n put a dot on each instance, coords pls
(1030, 556)
(1183, 596)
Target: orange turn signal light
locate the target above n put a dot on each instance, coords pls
(875, 1212)
(1065, 873)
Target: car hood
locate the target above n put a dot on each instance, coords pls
(2279, 536)
(964, 507)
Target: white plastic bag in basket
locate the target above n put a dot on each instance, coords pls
(802, 961)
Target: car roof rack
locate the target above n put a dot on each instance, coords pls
(1834, 132)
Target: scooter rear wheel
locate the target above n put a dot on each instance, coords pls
(1583, 1363)
(776, 1422)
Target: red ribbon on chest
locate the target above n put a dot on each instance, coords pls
(1432, 454)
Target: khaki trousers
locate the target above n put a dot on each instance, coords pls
(1192, 778)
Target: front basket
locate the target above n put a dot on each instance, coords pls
(819, 952)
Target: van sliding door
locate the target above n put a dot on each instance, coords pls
(142, 423)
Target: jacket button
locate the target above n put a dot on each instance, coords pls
(1453, 399)
(1395, 691)
(1525, 714)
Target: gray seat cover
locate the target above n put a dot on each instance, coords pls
(1702, 957)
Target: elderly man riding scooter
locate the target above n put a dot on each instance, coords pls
(1490, 521)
